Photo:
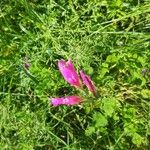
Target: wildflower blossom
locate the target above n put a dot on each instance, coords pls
(88, 82)
(69, 73)
(69, 100)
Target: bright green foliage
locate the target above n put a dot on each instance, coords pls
(100, 120)
(109, 106)
(109, 39)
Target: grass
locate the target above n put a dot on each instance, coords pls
(109, 40)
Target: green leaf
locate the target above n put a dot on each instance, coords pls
(148, 128)
(100, 120)
(141, 60)
(103, 72)
(89, 70)
(145, 93)
(137, 139)
(112, 58)
(90, 131)
(129, 129)
(109, 105)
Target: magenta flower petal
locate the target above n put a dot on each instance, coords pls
(69, 73)
(57, 101)
(69, 100)
(88, 82)
(72, 100)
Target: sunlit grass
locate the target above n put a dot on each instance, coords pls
(107, 39)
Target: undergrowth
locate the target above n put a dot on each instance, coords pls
(109, 40)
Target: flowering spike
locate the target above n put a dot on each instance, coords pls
(69, 73)
(88, 82)
(69, 100)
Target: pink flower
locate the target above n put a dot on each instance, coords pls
(69, 100)
(26, 65)
(69, 73)
(88, 82)
(57, 101)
